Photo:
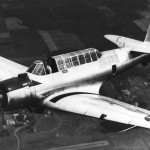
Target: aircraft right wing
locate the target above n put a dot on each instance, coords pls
(9, 68)
(103, 108)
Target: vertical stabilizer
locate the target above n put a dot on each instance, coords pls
(147, 38)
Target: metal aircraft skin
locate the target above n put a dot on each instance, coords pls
(75, 81)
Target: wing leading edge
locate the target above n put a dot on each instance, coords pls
(104, 108)
(9, 68)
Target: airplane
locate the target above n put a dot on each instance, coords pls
(73, 83)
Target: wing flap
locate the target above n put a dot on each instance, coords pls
(103, 107)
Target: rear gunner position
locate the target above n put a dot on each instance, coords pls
(74, 80)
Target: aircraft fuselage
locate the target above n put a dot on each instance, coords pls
(86, 78)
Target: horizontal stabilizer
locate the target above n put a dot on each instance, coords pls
(132, 44)
(112, 38)
(116, 39)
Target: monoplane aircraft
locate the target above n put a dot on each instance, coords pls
(72, 82)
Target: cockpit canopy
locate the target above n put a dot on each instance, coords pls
(64, 61)
(73, 59)
(37, 68)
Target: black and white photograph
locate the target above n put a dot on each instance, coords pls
(74, 74)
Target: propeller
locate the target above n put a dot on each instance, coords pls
(3, 99)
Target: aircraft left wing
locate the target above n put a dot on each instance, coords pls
(102, 107)
(9, 68)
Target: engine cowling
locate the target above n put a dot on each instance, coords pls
(17, 92)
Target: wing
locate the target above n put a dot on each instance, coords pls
(104, 108)
(9, 68)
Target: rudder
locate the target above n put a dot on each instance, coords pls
(147, 37)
